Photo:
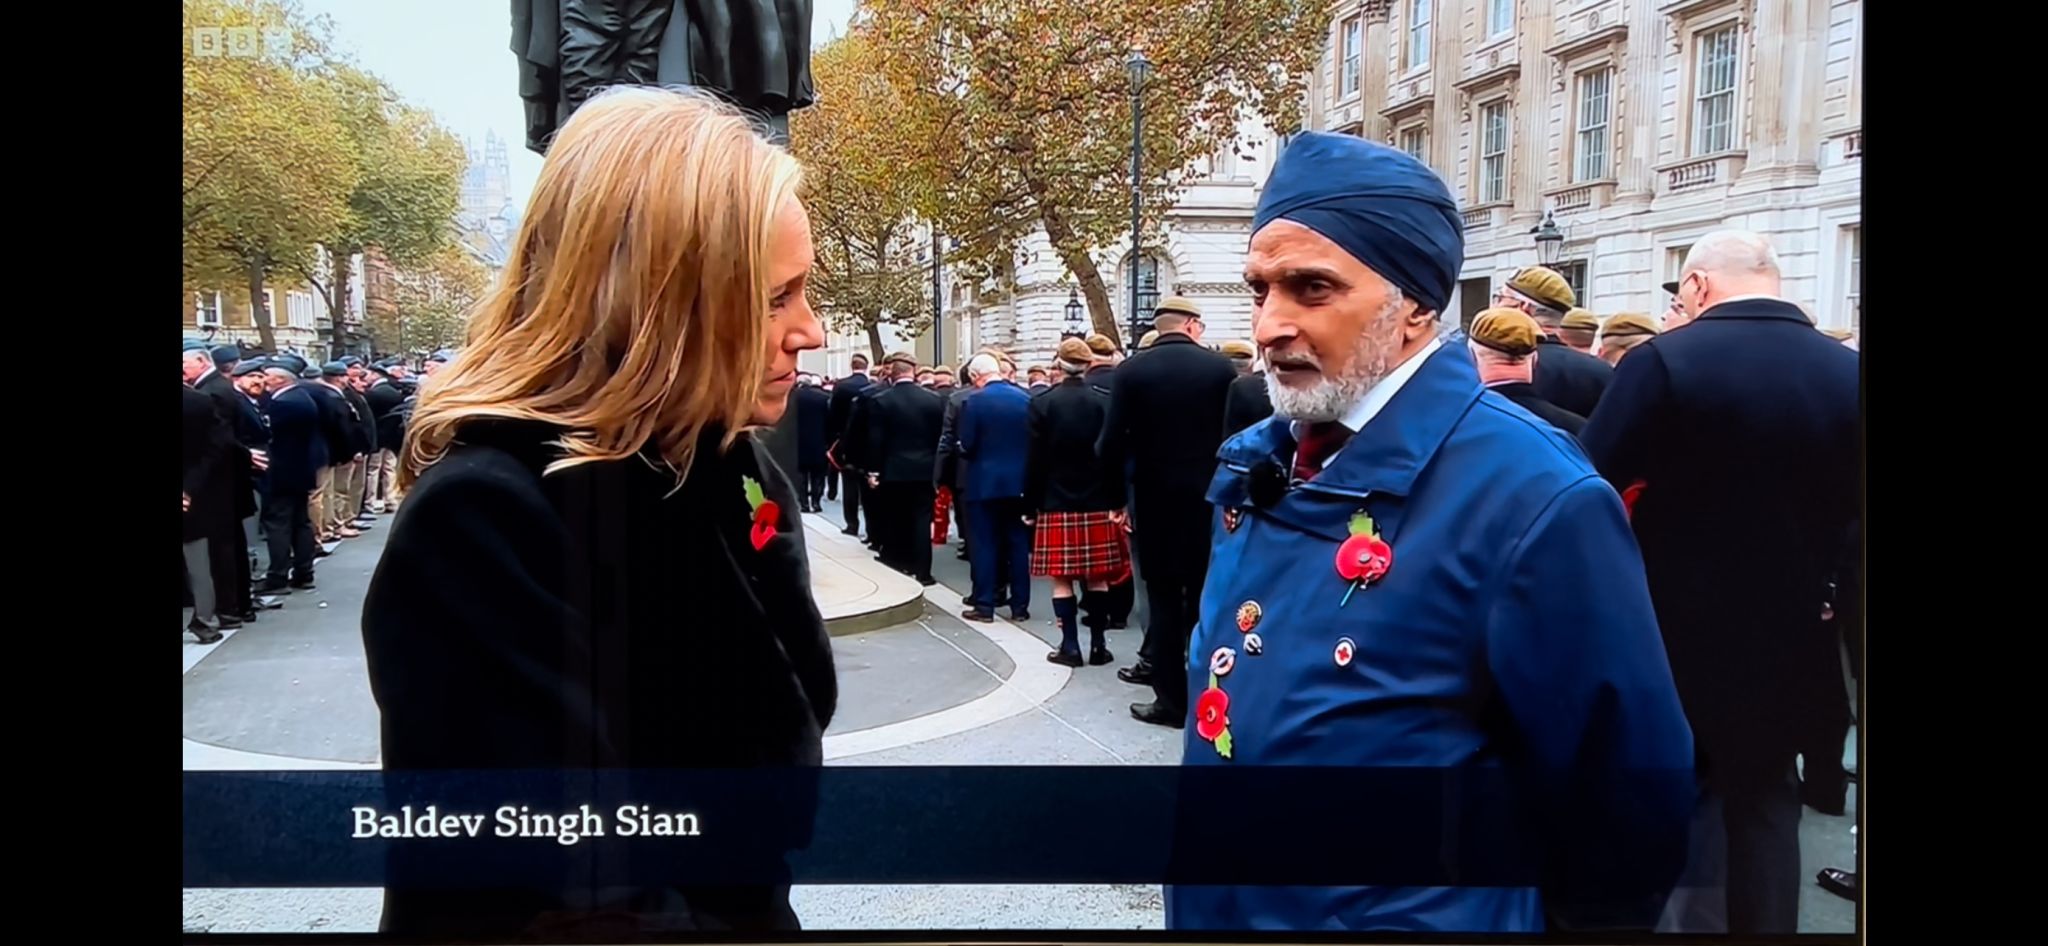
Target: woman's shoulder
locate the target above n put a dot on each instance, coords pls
(474, 484)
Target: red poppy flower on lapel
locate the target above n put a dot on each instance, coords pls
(767, 515)
(1363, 557)
(1629, 497)
(1212, 717)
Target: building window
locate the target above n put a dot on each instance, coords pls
(1574, 273)
(1714, 92)
(1853, 285)
(1493, 153)
(1500, 17)
(1347, 85)
(206, 309)
(1147, 274)
(1674, 261)
(1418, 33)
(1415, 141)
(1590, 159)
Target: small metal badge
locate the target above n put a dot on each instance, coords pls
(1253, 645)
(1345, 651)
(1248, 615)
(1221, 662)
(1231, 517)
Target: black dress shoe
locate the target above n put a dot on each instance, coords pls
(274, 586)
(1158, 715)
(302, 584)
(927, 581)
(1137, 674)
(979, 617)
(1016, 615)
(1841, 883)
(1064, 659)
(205, 634)
(1099, 655)
(849, 530)
(229, 622)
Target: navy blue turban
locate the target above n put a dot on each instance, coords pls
(1388, 210)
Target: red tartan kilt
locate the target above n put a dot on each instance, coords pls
(1079, 545)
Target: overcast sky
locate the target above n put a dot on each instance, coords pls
(455, 57)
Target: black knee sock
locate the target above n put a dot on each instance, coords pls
(1070, 640)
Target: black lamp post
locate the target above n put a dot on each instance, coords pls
(1139, 67)
(1549, 240)
(1074, 329)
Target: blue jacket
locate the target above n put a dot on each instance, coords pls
(298, 450)
(1513, 629)
(995, 439)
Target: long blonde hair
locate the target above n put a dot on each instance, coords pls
(633, 308)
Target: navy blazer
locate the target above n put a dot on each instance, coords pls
(1744, 429)
(298, 447)
(995, 439)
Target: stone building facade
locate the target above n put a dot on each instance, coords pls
(1641, 125)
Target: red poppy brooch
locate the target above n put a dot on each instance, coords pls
(1212, 716)
(767, 515)
(1363, 557)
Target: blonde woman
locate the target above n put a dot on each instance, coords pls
(597, 565)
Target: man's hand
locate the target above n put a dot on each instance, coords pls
(259, 459)
(188, 501)
(1122, 518)
(874, 481)
(1029, 520)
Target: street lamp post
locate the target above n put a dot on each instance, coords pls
(1074, 329)
(1139, 67)
(1549, 241)
(938, 303)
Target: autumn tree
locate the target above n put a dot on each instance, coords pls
(1022, 109)
(431, 301)
(408, 183)
(263, 180)
(863, 204)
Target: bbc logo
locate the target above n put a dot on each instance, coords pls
(242, 42)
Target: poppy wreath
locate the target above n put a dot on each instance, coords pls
(767, 515)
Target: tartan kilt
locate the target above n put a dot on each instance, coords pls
(1079, 545)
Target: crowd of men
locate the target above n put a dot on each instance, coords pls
(283, 459)
(1121, 453)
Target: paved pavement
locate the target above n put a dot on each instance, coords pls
(291, 691)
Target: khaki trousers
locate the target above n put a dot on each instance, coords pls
(321, 501)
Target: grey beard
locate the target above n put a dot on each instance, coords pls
(1329, 398)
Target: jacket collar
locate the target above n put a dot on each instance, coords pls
(1395, 446)
(1756, 307)
(1173, 338)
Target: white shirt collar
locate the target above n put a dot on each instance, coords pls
(1378, 395)
(1752, 295)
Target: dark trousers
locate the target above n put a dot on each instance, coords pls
(854, 484)
(1172, 535)
(1742, 874)
(814, 487)
(227, 554)
(999, 553)
(902, 512)
(1120, 599)
(832, 486)
(288, 531)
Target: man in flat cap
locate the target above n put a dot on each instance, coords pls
(1744, 431)
(1410, 572)
(1567, 377)
(903, 422)
(1165, 421)
(1504, 348)
(1070, 506)
(298, 454)
(1622, 333)
(1247, 403)
(1122, 595)
(1578, 330)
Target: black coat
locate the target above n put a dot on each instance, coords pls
(952, 467)
(1524, 394)
(298, 442)
(903, 423)
(385, 398)
(1065, 474)
(1247, 405)
(812, 407)
(207, 480)
(1570, 378)
(1101, 377)
(757, 53)
(1166, 415)
(234, 410)
(365, 440)
(841, 415)
(1744, 428)
(337, 422)
(596, 618)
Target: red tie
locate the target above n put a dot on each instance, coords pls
(1318, 443)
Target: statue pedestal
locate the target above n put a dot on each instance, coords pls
(855, 593)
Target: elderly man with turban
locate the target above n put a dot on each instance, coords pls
(1411, 573)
